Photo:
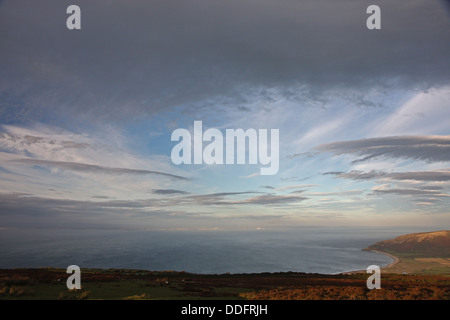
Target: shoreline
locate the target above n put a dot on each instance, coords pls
(396, 260)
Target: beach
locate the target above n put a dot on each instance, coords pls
(396, 259)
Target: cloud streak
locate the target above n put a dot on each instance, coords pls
(90, 168)
(425, 176)
(408, 192)
(426, 148)
(168, 191)
(271, 200)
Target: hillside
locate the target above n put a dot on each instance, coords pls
(424, 253)
(426, 244)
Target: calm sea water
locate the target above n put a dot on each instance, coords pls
(306, 249)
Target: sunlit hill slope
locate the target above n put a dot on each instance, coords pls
(426, 244)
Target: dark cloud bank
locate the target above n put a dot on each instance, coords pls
(140, 57)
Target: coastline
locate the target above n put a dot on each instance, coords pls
(396, 260)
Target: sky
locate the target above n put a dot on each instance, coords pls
(86, 116)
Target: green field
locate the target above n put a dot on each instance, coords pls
(409, 263)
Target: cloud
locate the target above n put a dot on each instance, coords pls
(261, 217)
(357, 175)
(217, 198)
(424, 203)
(270, 200)
(224, 194)
(294, 65)
(320, 131)
(426, 148)
(296, 186)
(90, 168)
(429, 200)
(425, 176)
(80, 162)
(432, 187)
(424, 113)
(105, 146)
(294, 179)
(336, 193)
(25, 210)
(408, 192)
(39, 142)
(226, 199)
(421, 176)
(16, 142)
(141, 57)
(168, 191)
(302, 154)
(253, 175)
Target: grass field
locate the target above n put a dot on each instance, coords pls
(409, 263)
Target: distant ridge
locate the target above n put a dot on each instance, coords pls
(425, 244)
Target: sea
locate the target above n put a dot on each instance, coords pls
(326, 250)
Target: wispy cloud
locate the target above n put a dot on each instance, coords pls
(426, 148)
(408, 192)
(269, 199)
(424, 113)
(336, 193)
(169, 191)
(296, 186)
(93, 168)
(441, 175)
(317, 133)
(253, 175)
